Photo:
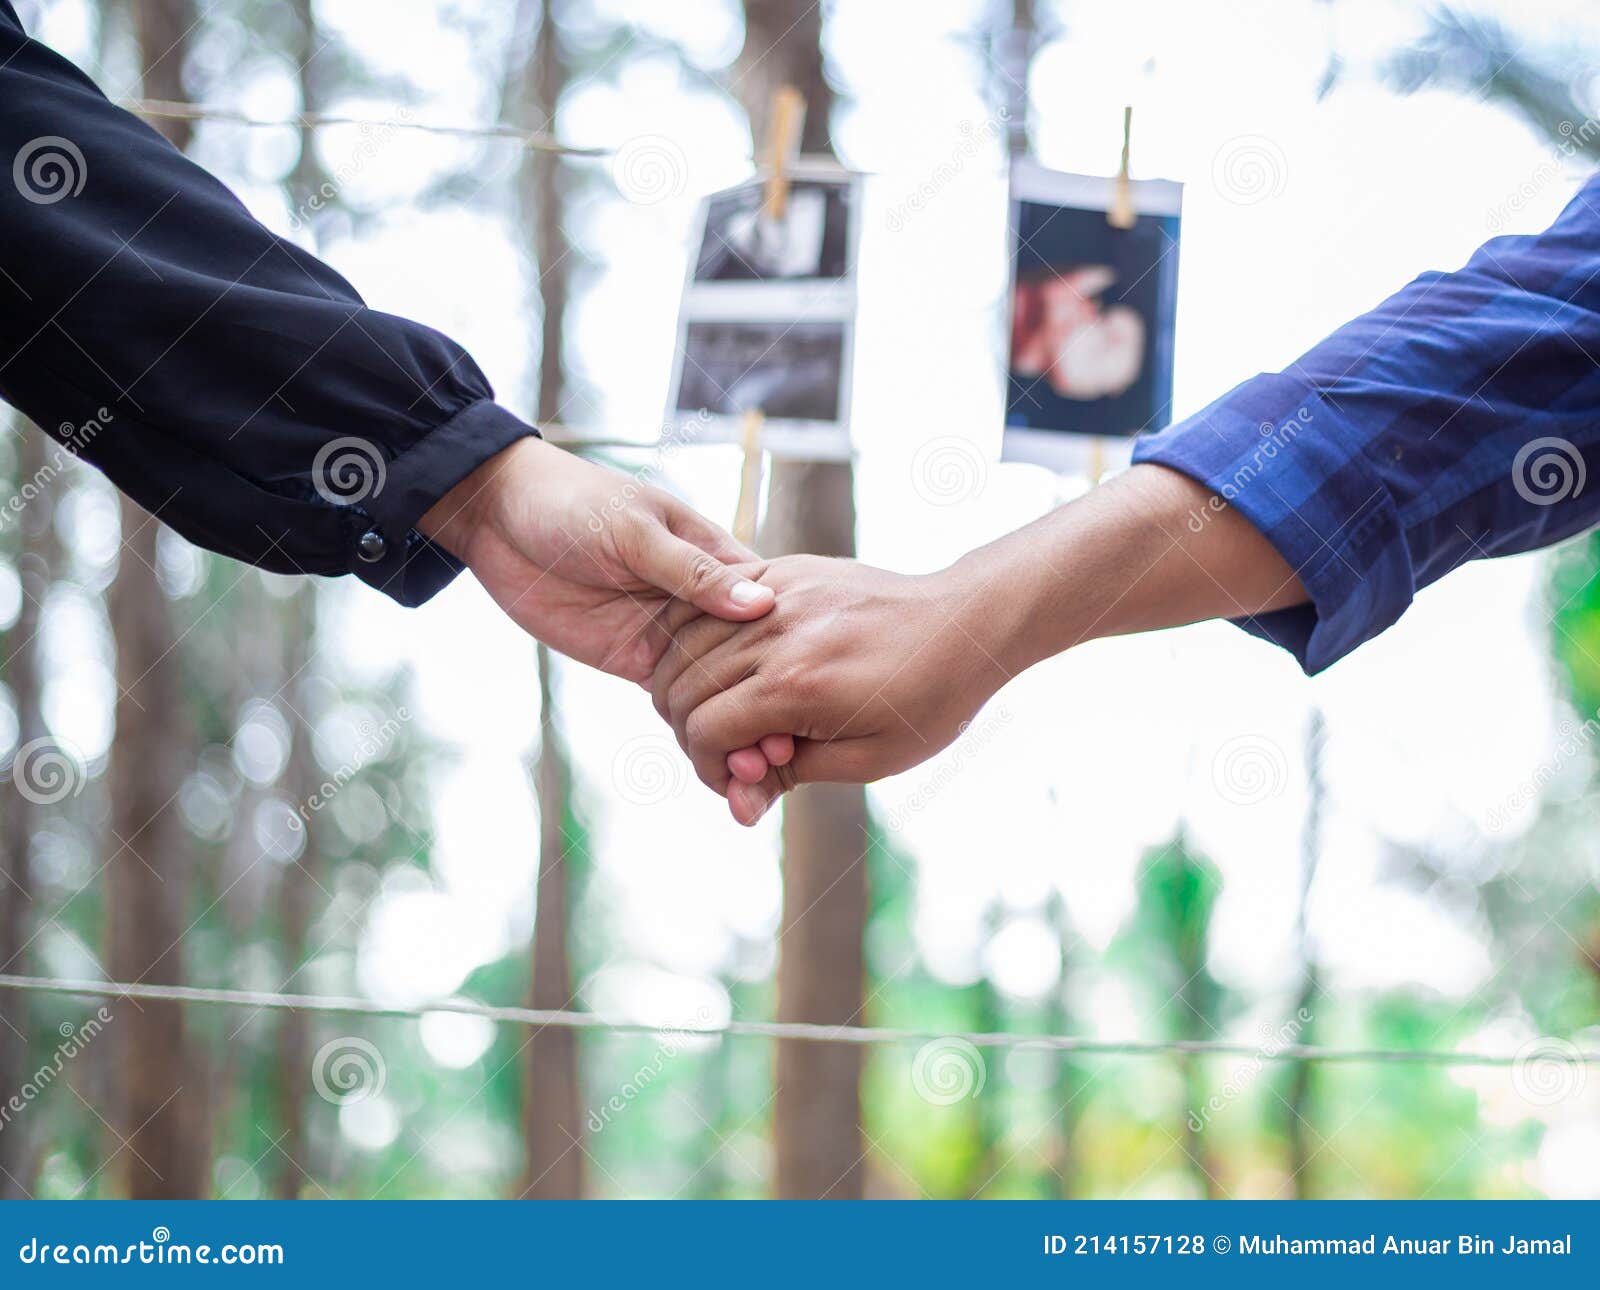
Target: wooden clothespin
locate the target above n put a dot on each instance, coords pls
(744, 515)
(788, 118)
(1096, 468)
(1121, 214)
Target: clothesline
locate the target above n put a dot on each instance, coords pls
(535, 140)
(782, 1030)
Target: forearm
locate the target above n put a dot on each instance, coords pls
(1149, 549)
(235, 384)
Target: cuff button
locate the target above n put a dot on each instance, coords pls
(372, 547)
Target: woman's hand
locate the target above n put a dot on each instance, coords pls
(593, 563)
(872, 672)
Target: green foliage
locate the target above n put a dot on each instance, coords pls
(1575, 622)
(1163, 947)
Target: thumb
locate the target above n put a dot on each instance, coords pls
(688, 572)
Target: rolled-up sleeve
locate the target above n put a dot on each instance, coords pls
(1459, 419)
(228, 381)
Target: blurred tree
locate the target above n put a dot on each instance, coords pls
(23, 673)
(1298, 1104)
(298, 882)
(160, 1150)
(1549, 963)
(552, 1114)
(1070, 1089)
(811, 507)
(1164, 948)
(1015, 34)
(1476, 55)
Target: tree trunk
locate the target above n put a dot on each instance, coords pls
(296, 896)
(299, 880)
(160, 1153)
(19, 813)
(1298, 1129)
(811, 507)
(160, 1139)
(1011, 57)
(552, 1115)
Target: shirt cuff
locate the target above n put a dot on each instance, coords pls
(1288, 459)
(387, 552)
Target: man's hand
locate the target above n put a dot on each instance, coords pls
(872, 672)
(592, 563)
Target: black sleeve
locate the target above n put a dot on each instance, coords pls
(229, 382)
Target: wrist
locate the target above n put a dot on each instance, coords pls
(461, 520)
(1074, 575)
(995, 595)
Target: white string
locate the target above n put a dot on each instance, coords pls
(534, 140)
(789, 1030)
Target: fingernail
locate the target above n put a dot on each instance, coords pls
(746, 593)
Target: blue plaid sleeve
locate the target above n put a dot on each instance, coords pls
(1459, 419)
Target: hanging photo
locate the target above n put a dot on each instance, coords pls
(812, 241)
(790, 371)
(768, 316)
(796, 373)
(1093, 309)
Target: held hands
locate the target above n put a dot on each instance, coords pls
(871, 672)
(862, 673)
(772, 674)
(593, 563)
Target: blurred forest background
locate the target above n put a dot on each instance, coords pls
(255, 810)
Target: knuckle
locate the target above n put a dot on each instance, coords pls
(699, 730)
(626, 532)
(704, 571)
(677, 702)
